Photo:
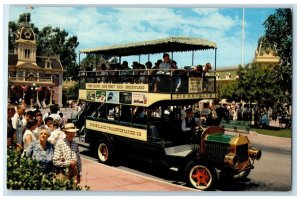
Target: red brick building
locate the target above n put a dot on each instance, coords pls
(35, 79)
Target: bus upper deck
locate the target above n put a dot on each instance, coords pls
(147, 86)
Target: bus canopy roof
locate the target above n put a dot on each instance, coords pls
(171, 44)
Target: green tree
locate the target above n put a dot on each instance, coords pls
(51, 42)
(92, 60)
(13, 27)
(228, 92)
(88, 62)
(278, 31)
(257, 84)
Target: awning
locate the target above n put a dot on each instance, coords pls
(171, 44)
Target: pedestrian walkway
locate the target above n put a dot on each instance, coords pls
(267, 142)
(101, 177)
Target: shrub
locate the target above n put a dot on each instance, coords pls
(25, 174)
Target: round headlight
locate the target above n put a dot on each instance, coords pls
(255, 153)
(231, 159)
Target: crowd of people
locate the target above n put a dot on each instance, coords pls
(148, 73)
(258, 116)
(46, 138)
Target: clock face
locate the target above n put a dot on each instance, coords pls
(27, 34)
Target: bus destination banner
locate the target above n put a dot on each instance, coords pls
(124, 131)
(194, 96)
(117, 86)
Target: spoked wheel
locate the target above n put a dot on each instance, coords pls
(104, 152)
(200, 176)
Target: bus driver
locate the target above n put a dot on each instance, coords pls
(188, 124)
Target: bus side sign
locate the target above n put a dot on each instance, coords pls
(125, 131)
(118, 86)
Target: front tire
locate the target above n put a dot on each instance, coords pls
(200, 176)
(104, 152)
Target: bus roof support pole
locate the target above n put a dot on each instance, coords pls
(148, 57)
(139, 59)
(215, 81)
(192, 58)
(96, 60)
(215, 60)
(172, 55)
(79, 59)
(120, 59)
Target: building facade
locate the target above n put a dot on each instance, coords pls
(265, 55)
(34, 79)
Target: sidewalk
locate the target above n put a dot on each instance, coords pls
(101, 177)
(266, 142)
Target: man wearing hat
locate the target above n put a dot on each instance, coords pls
(188, 123)
(66, 155)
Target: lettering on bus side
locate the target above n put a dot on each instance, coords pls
(116, 86)
(193, 96)
(130, 132)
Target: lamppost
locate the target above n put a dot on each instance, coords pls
(33, 89)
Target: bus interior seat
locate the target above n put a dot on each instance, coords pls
(154, 136)
(153, 131)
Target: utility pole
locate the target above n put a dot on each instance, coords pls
(243, 38)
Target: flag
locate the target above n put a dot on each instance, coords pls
(30, 7)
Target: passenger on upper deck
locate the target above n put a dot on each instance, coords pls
(103, 74)
(148, 67)
(126, 74)
(167, 63)
(149, 73)
(197, 71)
(153, 85)
(112, 78)
(206, 68)
(136, 72)
(143, 74)
(177, 78)
(125, 65)
(157, 64)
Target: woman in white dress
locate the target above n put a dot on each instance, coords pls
(29, 136)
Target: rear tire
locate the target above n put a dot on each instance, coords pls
(104, 152)
(200, 176)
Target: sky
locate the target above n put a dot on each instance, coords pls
(100, 26)
(92, 34)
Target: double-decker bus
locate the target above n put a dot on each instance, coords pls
(139, 113)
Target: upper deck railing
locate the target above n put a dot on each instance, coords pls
(149, 80)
